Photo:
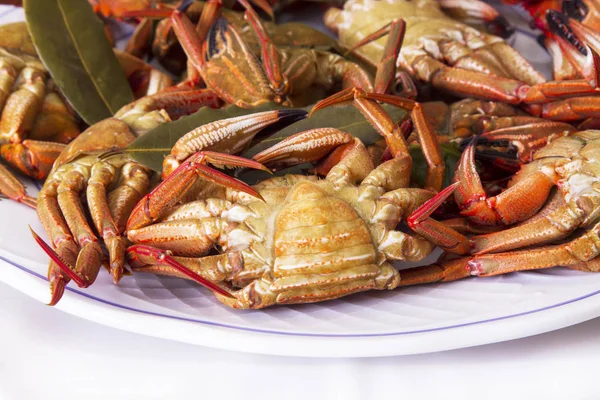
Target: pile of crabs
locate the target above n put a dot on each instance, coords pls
(339, 228)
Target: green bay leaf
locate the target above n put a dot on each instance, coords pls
(71, 42)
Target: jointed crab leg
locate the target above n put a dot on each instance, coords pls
(386, 69)
(23, 104)
(368, 106)
(436, 232)
(149, 259)
(270, 54)
(12, 188)
(580, 253)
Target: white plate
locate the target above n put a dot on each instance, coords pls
(408, 321)
(412, 320)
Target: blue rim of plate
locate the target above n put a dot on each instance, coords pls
(274, 332)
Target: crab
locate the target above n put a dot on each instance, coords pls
(297, 239)
(95, 165)
(465, 62)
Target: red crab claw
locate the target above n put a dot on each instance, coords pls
(477, 10)
(578, 43)
(156, 204)
(513, 146)
(139, 255)
(515, 204)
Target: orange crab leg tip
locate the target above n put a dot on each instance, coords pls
(29, 201)
(57, 289)
(430, 205)
(58, 260)
(164, 258)
(393, 100)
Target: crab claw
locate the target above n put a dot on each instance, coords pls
(579, 44)
(156, 204)
(517, 203)
(307, 146)
(512, 146)
(469, 10)
(142, 255)
(229, 135)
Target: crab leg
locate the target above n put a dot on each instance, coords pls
(103, 213)
(60, 270)
(270, 54)
(90, 256)
(175, 103)
(22, 105)
(386, 70)
(12, 188)
(391, 131)
(447, 271)
(574, 253)
(397, 245)
(204, 271)
(32, 157)
(437, 232)
(555, 225)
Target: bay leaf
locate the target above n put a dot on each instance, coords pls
(71, 42)
(151, 148)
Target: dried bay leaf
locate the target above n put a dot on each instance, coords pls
(71, 42)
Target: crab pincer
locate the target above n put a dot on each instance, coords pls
(154, 205)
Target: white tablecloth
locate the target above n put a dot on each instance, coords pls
(48, 354)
